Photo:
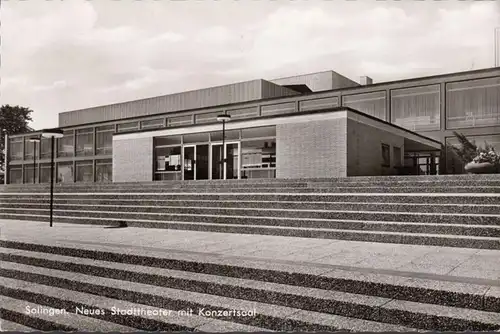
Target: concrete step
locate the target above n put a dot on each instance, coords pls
(71, 203)
(283, 300)
(399, 237)
(447, 222)
(413, 198)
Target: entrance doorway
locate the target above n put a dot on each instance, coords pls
(225, 163)
(196, 166)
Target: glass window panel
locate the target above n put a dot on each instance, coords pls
(277, 109)
(316, 104)
(64, 172)
(170, 140)
(45, 173)
(130, 126)
(85, 142)
(168, 176)
(65, 145)
(397, 156)
(372, 104)
(168, 158)
(153, 123)
(416, 108)
(261, 132)
(180, 120)
(16, 148)
(258, 153)
(196, 138)
(207, 117)
(84, 171)
(45, 150)
(104, 170)
(28, 173)
(229, 134)
(104, 140)
(473, 103)
(244, 113)
(30, 147)
(15, 175)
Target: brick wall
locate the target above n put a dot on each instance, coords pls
(313, 149)
(364, 149)
(133, 160)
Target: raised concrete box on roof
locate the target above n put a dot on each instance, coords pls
(201, 98)
(321, 81)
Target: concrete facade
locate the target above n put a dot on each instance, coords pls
(364, 150)
(133, 159)
(316, 149)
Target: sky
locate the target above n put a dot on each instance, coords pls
(62, 55)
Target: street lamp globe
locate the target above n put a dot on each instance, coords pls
(223, 118)
(52, 133)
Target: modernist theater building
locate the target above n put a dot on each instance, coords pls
(316, 125)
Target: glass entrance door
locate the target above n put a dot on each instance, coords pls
(225, 163)
(196, 162)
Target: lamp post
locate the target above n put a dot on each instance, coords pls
(223, 118)
(497, 44)
(52, 134)
(6, 147)
(34, 140)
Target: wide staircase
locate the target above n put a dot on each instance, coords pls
(451, 211)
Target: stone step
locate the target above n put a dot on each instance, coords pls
(10, 326)
(399, 237)
(335, 189)
(371, 220)
(71, 203)
(293, 302)
(420, 198)
(245, 185)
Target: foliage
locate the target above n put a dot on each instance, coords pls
(14, 119)
(469, 152)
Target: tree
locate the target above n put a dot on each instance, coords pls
(467, 150)
(14, 119)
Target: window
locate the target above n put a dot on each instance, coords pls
(45, 173)
(372, 104)
(28, 173)
(85, 142)
(84, 171)
(278, 109)
(153, 123)
(168, 159)
(16, 175)
(64, 172)
(170, 140)
(473, 103)
(243, 113)
(416, 109)
(130, 126)
(104, 170)
(258, 159)
(229, 134)
(16, 149)
(180, 120)
(45, 150)
(316, 104)
(104, 140)
(196, 138)
(207, 117)
(396, 155)
(65, 145)
(261, 132)
(386, 155)
(29, 148)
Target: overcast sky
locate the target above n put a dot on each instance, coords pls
(60, 55)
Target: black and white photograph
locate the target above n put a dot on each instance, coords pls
(249, 166)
